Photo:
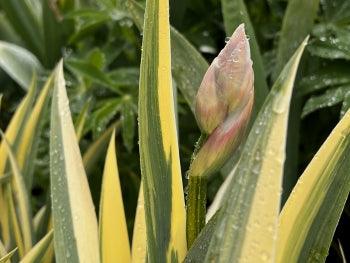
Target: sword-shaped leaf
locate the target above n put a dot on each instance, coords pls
(160, 165)
(74, 219)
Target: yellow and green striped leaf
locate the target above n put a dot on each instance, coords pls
(7, 258)
(114, 239)
(98, 148)
(21, 199)
(28, 143)
(12, 134)
(188, 65)
(14, 224)
(36, 254)
(74, 219)
(160, 165)
(312, 212)
(14, 129)
(139, 242)
(246, 230)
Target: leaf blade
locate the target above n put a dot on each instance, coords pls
(74, 219)
(114, 240)
(160, 166)
(18, 63)
(36, 254)
(317, 200)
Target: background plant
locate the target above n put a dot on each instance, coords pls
(101, 44)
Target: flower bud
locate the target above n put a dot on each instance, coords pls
(224, 103)
(227, 84)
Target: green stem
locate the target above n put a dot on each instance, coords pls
(196, 207)
(196, 200)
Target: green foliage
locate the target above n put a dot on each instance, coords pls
(101, 43)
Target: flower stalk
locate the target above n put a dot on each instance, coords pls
(223, 107)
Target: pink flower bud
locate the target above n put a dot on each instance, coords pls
(227, 85)
(224, 103)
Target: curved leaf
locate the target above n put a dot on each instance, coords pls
(23, 17)
(311, 213)
(18, 63)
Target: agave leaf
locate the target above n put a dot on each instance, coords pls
(74, 219)
(234, 13)
(13, 133)
(247, 227)
(38, 251)
(28, 145)
(311, 213)
(114, 240)
(18, 63)
(159, 153)
(139, 242)
(188, 65)
(24, 20)
(97, 148)
(21, 198)
(7, 258)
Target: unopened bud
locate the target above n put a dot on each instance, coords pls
(224, 103)
(227, 85)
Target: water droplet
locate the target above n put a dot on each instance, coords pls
(227, 39)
